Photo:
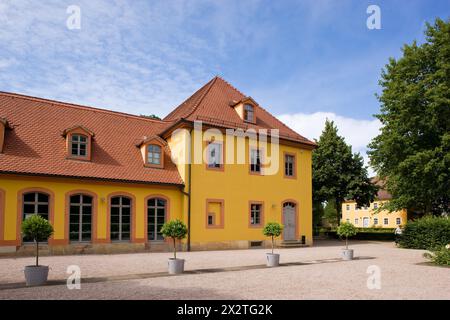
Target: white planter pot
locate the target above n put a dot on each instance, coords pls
(347, 254)
(273, 259)
(176, 266)
(36, 276)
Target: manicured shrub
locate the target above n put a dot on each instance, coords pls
(273, 230)
(37, 228)
(440, 256)
(346, 230)
(426, 233)
(176, 230)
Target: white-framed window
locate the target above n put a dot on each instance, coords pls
(289, 163)
(154, 154)
(398, 221)
(356, 221)
(249, 113)
(386, 221)
(215, 155)
(35, 203)
(348, 220)
(120, 218)
(375, 205)
(78, 145)
(375, 221)
(80, 219)
(255, 161)
(255, 214)
(347, 207)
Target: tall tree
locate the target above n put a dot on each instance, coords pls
(339, 174)
(412, 151)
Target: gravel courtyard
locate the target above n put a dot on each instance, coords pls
(307, 273)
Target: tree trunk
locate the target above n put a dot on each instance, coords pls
(37, 253)
(346, 243)
(338, 211)
(272, 244)
(174, 248)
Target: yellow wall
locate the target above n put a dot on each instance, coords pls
(352, 214)
(13, 184)
(237, 187)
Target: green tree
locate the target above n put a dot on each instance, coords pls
(37, 228)
(330, 213)
(412, 152)
(273, 230)
(152, 116)
(176, 230)
(346, 230)
(339, 174)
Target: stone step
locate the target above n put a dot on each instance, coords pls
(292, 244)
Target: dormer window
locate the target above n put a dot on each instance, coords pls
(3, 126)
(152, 150)
(78, 143)
(153, 154)
(249, 113)
(246, 109)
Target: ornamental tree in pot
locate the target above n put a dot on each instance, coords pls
(273, 230)
(39, 229)
(176, 230)
(347, 230)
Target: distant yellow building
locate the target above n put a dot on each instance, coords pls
(365, 217)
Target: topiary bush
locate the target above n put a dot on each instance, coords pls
(440, 256)
(176, 230)
(273, 230)
(426, 233)
(346, 230)
(37, 228)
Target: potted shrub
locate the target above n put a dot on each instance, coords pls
(176, 230)
(273, 230)
(346, 230)
(39, 229)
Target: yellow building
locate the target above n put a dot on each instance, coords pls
(107, 181)
(366, 217)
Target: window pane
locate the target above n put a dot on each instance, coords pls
(43, 209)
(125, 236)
(125, 227)
(82, 138)
(75, 199)
(126, 201)
(125, 219)
(115, 211)
(115, 219)
(161, 202)
(28, 208)
(42, 197)
(29, 197)
(87, 200)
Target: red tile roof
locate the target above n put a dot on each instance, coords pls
(212, 104)
(36, 145)
(382, 193)
(35, 142)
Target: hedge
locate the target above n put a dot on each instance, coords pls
(368, 234)
(426, 233)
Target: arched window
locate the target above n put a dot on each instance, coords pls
(156, 216)
(80, 228)
(35, 203)
(120, 218)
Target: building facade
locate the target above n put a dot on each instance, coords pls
(107, 181)
(369, 217)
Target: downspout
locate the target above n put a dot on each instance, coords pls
(188, 193)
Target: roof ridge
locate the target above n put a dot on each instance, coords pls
(203, 96)
(79, 106)
(231, 86)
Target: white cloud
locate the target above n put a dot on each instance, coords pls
(358, 133)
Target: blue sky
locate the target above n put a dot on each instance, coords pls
(302, 60)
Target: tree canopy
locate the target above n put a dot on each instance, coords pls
(338, 173)
(412, 151)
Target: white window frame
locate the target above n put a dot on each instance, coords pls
(385, 221)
